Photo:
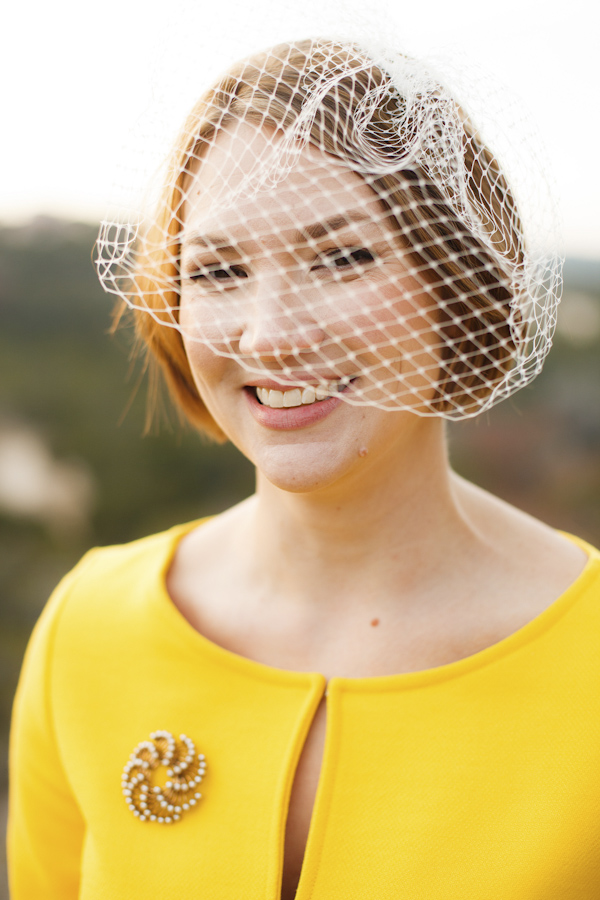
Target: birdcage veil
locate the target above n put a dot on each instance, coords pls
(332, 215)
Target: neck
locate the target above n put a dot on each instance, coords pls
(373, 529)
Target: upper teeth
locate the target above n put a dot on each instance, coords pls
(297, 396)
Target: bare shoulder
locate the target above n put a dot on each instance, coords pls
(543, 562)
(204, 557)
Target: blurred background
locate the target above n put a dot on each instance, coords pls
(75, 468)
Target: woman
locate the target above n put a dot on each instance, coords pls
(388, 676)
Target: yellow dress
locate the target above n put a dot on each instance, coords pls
(478, 780)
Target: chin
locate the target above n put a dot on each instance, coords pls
(304, 468)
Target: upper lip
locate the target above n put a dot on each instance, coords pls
(290, 385)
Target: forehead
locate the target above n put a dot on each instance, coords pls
(240, 187)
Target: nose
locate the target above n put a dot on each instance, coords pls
(282, 319)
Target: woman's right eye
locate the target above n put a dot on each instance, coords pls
(216, 274)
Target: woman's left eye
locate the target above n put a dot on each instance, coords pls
(344, 258)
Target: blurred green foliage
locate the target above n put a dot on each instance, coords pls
(63, 376)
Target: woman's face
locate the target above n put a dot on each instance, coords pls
(293, 296)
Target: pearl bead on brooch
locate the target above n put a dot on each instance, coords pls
(185, 770)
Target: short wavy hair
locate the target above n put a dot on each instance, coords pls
(270, 90)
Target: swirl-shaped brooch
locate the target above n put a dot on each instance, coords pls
(151, 802)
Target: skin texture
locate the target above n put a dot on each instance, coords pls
(358, 516)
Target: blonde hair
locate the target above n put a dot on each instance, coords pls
(269, 89)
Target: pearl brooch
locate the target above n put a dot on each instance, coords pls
(185, 770)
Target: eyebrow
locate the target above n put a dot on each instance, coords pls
(336, 223)
(303, 235)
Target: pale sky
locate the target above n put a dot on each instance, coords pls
(76, 75)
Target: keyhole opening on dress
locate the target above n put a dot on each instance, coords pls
(302, 802)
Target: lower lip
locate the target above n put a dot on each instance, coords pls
(290, 417)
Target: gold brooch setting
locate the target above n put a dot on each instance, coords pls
(185, 770)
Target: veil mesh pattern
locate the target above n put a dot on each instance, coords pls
(337, 225)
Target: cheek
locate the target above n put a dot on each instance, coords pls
(207, 367)
(389, 317)
(393, 333)
(209, 322)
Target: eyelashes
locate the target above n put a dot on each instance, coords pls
(217, 274)
(345, 258)
(342, 260)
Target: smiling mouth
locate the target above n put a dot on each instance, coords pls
(300, 396)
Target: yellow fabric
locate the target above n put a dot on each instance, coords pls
(478, 780)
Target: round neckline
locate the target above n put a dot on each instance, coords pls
(524, 635)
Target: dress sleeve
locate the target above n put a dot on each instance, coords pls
(45, 828)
